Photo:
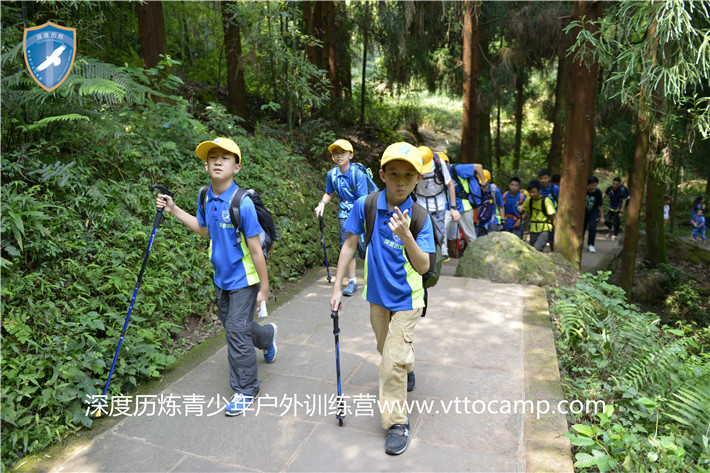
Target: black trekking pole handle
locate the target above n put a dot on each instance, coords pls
(159, 215)
(336, 328)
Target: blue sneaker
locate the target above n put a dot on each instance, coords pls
(351, 289)
(270, 353)
(238, 404)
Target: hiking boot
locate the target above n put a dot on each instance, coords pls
(592, 249)
(351, 289)
(397, 439)
(411, 381)
(238, 404)
(270, 353)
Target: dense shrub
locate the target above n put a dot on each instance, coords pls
(654, 380)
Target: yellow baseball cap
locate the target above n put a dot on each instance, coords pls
(224, 143)
(403, 152)
(443, 156)
(427, 158)
(486, 176)
(342, 144)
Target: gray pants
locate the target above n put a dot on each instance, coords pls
(439, 220)
(236, 311)
(539, 240)
(466, 224)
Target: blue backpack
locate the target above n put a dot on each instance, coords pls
(488, 208)
(371, 186)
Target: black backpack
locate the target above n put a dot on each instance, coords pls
(269, 236)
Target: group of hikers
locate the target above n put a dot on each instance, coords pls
(378, 229)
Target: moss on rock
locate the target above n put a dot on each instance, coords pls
(503, 257)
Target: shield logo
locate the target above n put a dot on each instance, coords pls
(49, 53)
(225, 216)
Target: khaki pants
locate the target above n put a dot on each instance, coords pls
(394, 332)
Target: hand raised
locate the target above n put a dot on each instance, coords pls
(398, 223)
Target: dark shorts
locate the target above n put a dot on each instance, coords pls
(344, 236)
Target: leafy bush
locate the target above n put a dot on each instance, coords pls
(654, 380)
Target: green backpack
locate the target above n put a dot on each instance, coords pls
(418, 218)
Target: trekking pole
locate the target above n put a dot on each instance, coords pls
(340, 415)
(322, 239)
(156, 224)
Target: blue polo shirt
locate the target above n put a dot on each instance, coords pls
(348, 187)
(390, 279)
(511, 207)
(466, 172)
(233, 266)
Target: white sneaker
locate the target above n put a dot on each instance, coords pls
(613, 238)
(592, 249)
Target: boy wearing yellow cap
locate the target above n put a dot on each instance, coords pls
(349, 184)
(394, 288)
(240, 276)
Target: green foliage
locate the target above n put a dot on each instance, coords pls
(655, 382)
(76, 220)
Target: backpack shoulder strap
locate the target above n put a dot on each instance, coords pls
(202, 199)
(419, 216)
(357, 167)
(370, 215)
(235, 216)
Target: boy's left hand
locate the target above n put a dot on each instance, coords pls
(398, 223)
(263, 295)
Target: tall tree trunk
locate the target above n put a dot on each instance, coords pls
(638, 179)
(342, 38)
(312, 18)
(329, 48)
(578, 140)
(554, 159)
(674, 197)
(633, 212)
(236, 86)
(484, 135)
(655, 193)
(519, 103)
(366, 35)
(471, 78)
(151, 28)
(707, 186)
(498, 151)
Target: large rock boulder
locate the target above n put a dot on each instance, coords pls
(503, 257)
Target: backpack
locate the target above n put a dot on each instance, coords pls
(488, 208)
(543, 208)
(371, 186)
(437, 176)
(269, 236)
(473, 197)
(418, 218)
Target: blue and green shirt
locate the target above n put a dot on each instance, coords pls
(349, 187)
(390, 279)
(233, 266)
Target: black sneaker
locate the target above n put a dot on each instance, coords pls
(397, 439)
(410, 382)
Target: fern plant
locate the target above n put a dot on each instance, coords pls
(656, 378)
